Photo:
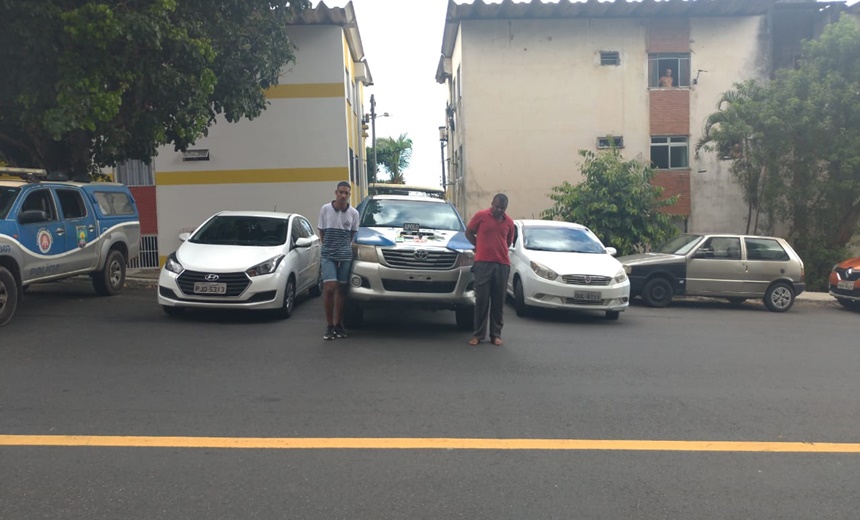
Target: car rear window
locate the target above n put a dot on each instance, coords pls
(395, 213)
(112, 203)
(765, 249)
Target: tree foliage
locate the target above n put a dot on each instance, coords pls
(793, 147)
(394, 155)
(90, 83)
(617, 201)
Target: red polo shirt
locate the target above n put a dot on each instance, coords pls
(493, 237)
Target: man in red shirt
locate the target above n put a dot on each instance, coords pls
(491, 232)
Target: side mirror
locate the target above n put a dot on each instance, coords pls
(702, 253)
(32, 216)
(611, 251)
(184, 236)
(304, 242)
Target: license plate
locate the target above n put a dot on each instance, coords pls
(210, 288)
(411, 227)
(846, 284)
(586, 295)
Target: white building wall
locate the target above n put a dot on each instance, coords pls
(730, 50)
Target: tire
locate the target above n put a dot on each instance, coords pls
(317, 288)
(111, 280)
(848, 304)
(657, 292)
(465, 317)
(173, 311)
(353, 315)
(520, 299)
(779, 297)
(8, 296)
(289, 303)
(612, 315)
(736, 301)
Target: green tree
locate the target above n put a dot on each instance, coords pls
(795, 139)
(90, 83)
(394, 155)
(617, 201)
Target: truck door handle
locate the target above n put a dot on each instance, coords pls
(91, 228)
(60, 231)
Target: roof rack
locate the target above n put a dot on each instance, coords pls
(31, 175)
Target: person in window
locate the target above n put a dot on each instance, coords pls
(666, 80)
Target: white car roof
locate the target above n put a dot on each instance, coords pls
(549, 223)
(266, 214)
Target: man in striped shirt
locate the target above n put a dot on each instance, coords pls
(337, 226)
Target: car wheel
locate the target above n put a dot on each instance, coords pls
(110, 280)
(612, 315)
(353, 315)
(289, 303)
(465, 317)
(848, 304)
(736, 301)
(317, 288)
(8, 296)
(172, 311)
(779, 297)
(657, 292)
(520, 299)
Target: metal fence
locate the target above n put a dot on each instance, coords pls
(148, 257)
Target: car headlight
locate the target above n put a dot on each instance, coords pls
(628, 269)
(543, 271)
(267, 267)
(173, 265)
(365, 253)
(620, 276)
(466, 258)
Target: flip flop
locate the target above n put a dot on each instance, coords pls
(497, 342)
(474, 341)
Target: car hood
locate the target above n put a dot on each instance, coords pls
(651, 259)
(577, 263)
(853, 263)
(223, 258)
(395, 237)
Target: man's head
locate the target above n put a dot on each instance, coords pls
(499, 205)
(668, 72)
(342, 192)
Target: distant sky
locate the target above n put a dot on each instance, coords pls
(402, 42)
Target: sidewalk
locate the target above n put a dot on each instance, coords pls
(150, 277)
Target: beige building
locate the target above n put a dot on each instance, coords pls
(530, 84)
(292, 156)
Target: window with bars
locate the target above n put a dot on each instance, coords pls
(610, 58)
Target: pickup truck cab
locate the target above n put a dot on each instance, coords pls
(51, 230)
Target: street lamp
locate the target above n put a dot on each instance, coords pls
(371, 118)
(443, 140)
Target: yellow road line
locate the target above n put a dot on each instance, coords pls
(322, 443)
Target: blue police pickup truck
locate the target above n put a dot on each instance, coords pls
(56, 229)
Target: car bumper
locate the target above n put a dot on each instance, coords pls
(375, 284)
(262, 292)
(845, 294)
(539, 292)
(799, 287)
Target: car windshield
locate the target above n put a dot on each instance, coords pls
(396, 213)
(560, 239)
(680, 245)
(242, 231)
(7, 197)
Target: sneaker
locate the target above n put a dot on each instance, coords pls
(339, 332)
(329, 333)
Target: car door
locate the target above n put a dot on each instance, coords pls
(716, 267)
(315, 257)
(766, 260)
(44, 238)
(80, 230)
(515, 255)
(301, 255)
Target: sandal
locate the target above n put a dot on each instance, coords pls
(474, 341)
(497, 341)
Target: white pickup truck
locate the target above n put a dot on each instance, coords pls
(56, 229)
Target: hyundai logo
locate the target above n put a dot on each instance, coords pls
(211, 277)
(420, 254)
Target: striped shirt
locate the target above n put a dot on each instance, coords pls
(337, 227)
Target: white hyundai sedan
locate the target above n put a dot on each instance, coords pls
(243, 260)
(560, 265)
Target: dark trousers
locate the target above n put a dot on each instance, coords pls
(491, 281)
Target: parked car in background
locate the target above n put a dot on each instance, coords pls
(243, 260)
(411, 252)
(54, 229)
(560, 265)
(844, 283)
(735, 267)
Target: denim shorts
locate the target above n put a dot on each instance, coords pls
(335, 270)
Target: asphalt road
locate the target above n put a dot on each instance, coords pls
(216, 387)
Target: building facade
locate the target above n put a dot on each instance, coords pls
(531, 84)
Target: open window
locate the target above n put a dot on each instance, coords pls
(669, 70)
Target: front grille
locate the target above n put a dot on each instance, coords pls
(574, 301)
(236, 283)
(436, 260)
(845, 275)
(586, 279)
(418, 287)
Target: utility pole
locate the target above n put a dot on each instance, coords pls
(373, 133)
(443, 140)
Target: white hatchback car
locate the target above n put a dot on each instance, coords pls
(561, 265)
(243, 260)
